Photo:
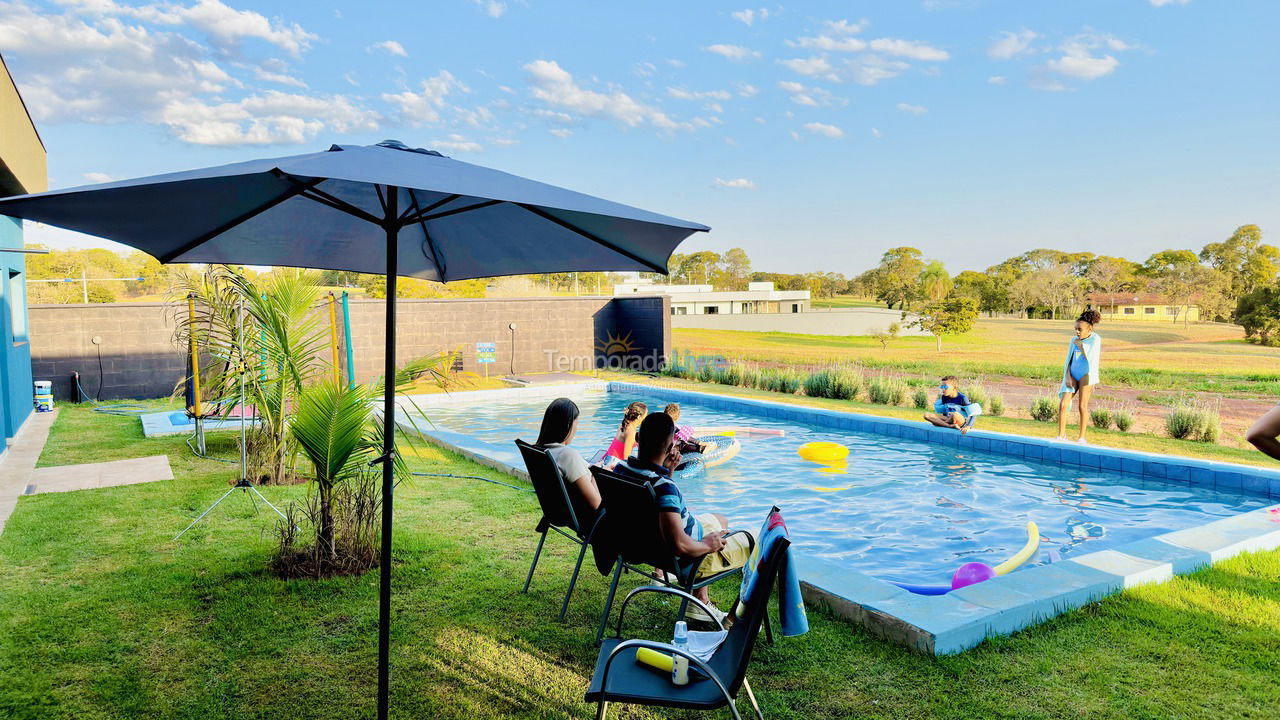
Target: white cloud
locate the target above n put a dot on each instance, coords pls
(457, 143)
(749, 16)
(997, 80)
(736, 184)
(556, 87)
(561, 132)
(875, 132)
(278, 78)
(747, 91)
(265, 119)
(390, 46)
(350, 77)
(222, 23)
(1079, 61)
(871, 69)
(823, 129)
(682, 94)
(832, 43)
(737, 53)
(844, 27)
(910, 49)
(492, 8)
(913, 109)
(97, 177)
(1162, 3)
(427, 105)
(1011, 44)
(811, 66)
(810, 96)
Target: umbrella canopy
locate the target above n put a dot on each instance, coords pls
(325, 209)
(385, 209)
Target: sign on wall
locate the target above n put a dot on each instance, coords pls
(486, 353)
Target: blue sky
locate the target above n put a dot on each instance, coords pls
(815, 134)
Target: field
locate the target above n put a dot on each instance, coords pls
(103, 615)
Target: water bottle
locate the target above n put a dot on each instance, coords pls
(680, 663)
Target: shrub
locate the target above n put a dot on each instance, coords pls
(1189, 421)
(920, 399)
(782, 380)
(729, 375)
(752, 378)
(1123, 419)
(995, 405)
(1044, 409)
(1101, 418)
(846, 384)
(887, 391)
(818, 384)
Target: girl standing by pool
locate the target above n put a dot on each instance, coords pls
(1080, 373)
(624, 441)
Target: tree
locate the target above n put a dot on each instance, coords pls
(953, 316)
(1244, 260)
(898, 276)
(935, 282)
(1111, 275)
(735, 268)
(1259, 312)
(1180, 278)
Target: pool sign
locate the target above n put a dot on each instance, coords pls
(486, 352)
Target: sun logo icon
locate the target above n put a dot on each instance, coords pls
(615, 344)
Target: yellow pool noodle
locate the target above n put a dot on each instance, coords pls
(1023, 555)
(662, 661)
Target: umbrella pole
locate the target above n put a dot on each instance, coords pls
(388, 462)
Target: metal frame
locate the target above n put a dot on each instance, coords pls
(577, 537)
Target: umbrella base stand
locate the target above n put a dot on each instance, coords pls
(244, 485)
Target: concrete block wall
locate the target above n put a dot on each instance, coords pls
(140, 359)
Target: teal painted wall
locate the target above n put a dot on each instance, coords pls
(15, 345)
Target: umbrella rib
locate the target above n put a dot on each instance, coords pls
(455, 211)
(297, 189)
(325, 198)
(413, 214)
(591, 236)
(435, 256)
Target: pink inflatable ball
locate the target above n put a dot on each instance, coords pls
(971, 574)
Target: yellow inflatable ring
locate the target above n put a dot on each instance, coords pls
(823, 452)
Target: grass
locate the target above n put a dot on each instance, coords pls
(1019, 426)
(103, 615)
(845, 301)
(1155, 356)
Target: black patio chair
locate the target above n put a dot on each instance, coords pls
(562, 511)
(619, 678)
(630, 539)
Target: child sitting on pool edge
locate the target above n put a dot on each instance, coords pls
(685, 441)
(949, 409)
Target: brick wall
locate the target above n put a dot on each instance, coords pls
(140, 359)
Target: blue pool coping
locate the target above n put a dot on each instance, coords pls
(961, 619)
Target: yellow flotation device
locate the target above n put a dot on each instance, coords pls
(1023, 555)
(823, 452)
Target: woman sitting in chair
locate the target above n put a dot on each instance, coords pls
(559, 425)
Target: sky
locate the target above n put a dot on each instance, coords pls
(814, 135)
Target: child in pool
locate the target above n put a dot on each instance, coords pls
(624, 441)
(949, 408)
(685, 441)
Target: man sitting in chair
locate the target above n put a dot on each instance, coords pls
(693, 537)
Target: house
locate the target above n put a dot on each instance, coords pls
(22, 170)
(1141, 306)
(759, 297)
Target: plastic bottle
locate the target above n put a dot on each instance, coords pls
(680, 663)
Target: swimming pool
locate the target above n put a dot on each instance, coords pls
(900, 509)
(914, 502)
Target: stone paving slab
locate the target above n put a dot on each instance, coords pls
(19, 460)
(65, 478)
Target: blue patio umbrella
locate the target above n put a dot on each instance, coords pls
(386, 209)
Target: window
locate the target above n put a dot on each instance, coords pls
(1129, 311)
(711, 310)
(679, 310)
(1148, 311)
(1171, 310)
(795, 307)
(18, 306)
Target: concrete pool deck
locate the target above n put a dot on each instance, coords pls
(961, 619)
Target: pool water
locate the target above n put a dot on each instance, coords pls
(902, 510)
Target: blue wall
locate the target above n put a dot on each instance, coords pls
(15, 347)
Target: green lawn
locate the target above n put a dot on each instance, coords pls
(1158, 356)
(103, 615)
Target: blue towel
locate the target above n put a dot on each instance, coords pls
(794, 621)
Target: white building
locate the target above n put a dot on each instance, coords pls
(759, 297)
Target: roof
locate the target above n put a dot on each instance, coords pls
(1105, 299)
(5, 67)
